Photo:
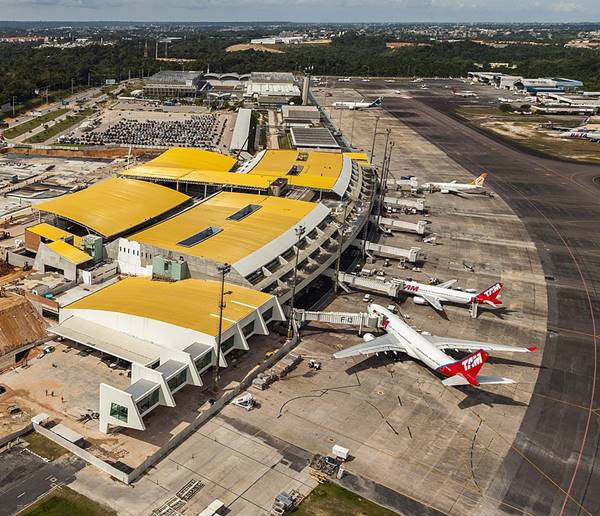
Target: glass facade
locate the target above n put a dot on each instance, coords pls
(248, 329)
(268, 315)
(204, 361)
(226, 345)
(118, 412)
(177, 380)
(149, 401)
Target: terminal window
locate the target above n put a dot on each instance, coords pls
(179, 379)
(204, 361)
(228, 344)
(268, 315)
(118, 412)
(149, 401)
(248, 329)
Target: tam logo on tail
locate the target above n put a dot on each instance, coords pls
(490, 295)
(480, 180)
(468, 367)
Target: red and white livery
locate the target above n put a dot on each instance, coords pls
(429, 349)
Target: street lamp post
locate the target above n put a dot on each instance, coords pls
(224, 270)
(300, 230)
(373, 142)
(339, 253)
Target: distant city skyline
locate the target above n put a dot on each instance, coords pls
(303, 10)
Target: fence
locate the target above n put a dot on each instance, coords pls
(130, 477)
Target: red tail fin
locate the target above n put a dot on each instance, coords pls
(490, 294)
(468, 367)
(480, 180)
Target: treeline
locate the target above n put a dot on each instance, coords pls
(25, 68)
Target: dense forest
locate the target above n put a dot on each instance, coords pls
(27, 67)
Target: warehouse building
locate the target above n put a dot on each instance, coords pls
(174, 84)
(272, 88)
(168, 332)
(303, 116)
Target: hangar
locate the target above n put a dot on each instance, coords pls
(168, 332)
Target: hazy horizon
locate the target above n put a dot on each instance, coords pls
(302, 11)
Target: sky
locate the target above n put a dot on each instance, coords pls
(303, 10)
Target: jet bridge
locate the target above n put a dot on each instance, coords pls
(407, 184)
(360, 319)
(412, 255)
(401, 225)
(407, 202)
(371, 285)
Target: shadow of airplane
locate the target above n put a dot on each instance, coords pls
(477, 396)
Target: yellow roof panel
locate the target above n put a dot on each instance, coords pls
(190, 303)
(177, 162)
(52, 233)
(69, 252)
(237, 239)
(358, 156)
(320, 170)
(113, 206)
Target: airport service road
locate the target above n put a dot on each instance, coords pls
(552, 467)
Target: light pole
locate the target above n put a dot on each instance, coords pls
(300, 230)
(374, 135)
(340, 244)
(224, 270)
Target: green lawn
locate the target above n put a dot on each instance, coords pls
(20, 129)
(43, 446)
(66, 502)
(333, 500)
(61, 126)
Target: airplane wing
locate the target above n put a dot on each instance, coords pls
(474, 345)
(378, 345)
(447, 284)
(458, 379)
(433, 301)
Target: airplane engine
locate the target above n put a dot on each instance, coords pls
(445, 191)
(368, 337)
(419, 300)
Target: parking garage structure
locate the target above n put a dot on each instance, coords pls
(168, 332)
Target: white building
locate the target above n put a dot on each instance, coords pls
(168, 332)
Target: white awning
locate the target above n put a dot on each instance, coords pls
(107, 340)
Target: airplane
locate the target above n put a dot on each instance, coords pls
(435, 295)
(475, 186)
(342, 79)
(401, 338)
(358, 105)
(465, 94)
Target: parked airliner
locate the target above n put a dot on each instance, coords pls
(401, 338)
(358, 105)
(475, 186)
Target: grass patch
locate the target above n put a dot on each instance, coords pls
(61, 126)
(333, 500)
(20, 129)
(63, 501)
(43, 446)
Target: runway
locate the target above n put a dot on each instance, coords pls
(553, 464)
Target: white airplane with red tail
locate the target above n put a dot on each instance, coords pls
(401, 338)
(435, 295)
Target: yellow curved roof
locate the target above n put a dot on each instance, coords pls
(237, 239)
(190, 303)
(113, 206)
(177, 162)
(318, 170)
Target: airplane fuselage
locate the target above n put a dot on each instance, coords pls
(460, 187)
(447, 295)
(416, 346)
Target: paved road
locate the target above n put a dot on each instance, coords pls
(553, 467)
(30, 478)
